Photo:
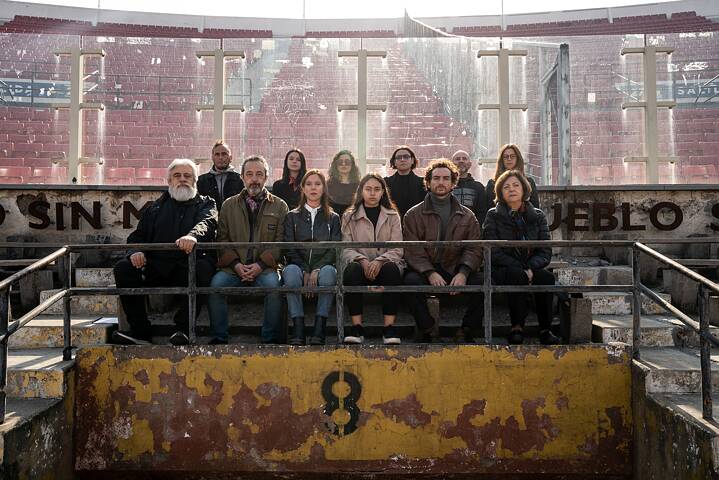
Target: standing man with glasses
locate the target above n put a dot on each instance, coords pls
(405, 188)
(222, 181)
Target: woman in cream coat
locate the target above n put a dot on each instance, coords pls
(372, 217)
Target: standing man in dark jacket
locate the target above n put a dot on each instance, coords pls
(222, 181)
(180, 216)
(441, 217)
(405, 187)
(469, 192)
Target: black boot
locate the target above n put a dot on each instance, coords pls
(298, 337)
(318, 333)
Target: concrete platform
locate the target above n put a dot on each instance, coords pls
(47, 332)
(674, 370)
(657, 330)
(600, 275)
(94, 277)
(38, 373)
(619, 303)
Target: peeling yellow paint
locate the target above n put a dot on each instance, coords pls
(574, 391)
(141, 440)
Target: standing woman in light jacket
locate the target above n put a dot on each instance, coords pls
(312, 221)
(372, 217)
(510, 158)
(514, 218)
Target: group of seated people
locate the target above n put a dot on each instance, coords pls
(307, 206)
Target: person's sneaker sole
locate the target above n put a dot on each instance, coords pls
(179, 339)
(391, 341)
(354, 340)
(121, 338)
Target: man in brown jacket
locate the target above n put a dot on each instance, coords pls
(441, 217)
(253, 215)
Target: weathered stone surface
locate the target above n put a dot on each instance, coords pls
(609, 303)
(89, 304)
(608, 275)
(48, 333)
(683, 290)
(657, 330)
(674, 371)
(94, 277)
(580, 321)
(38, 373)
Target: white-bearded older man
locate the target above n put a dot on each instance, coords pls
(180, 216)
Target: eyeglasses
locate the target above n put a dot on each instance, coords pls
(509, 157)
(403, 157)
(344, 162)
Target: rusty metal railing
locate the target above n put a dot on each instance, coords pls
(487, 288)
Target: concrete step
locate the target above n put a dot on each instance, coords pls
(675, 370)
(93, 305)
(38, 373)
(657, 330)
(47, 332)
(619, 303)
(604, 275)
(94, 277)
(688, 405)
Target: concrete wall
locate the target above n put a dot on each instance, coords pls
(418, 409)
(25, 218)
(667, 443)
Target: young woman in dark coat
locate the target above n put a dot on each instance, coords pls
(515, 218)
(288, 187)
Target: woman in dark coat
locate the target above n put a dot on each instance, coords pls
(288, 187)
(515, 218)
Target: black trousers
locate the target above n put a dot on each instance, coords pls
(518, 301)
(388, 275)
(127, 276)
(474, 314)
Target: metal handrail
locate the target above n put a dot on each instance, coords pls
(192, 290)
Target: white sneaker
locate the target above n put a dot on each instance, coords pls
(356, 335)
(389, 336)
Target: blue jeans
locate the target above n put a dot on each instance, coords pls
(293, 276)
(217, 304)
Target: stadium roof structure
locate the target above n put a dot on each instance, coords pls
(648, 18)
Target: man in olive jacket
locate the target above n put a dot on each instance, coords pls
(441, 217)
(253, 215)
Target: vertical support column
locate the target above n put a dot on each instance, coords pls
(651, 150)
(66, 309)
(4, 320)
(76, 83)
(192, 295)
(705, 354)
(219, 94)
(487, 295)
(362, 110)
(563, 116)
(503, 86)
(340, 299)
(636, 304)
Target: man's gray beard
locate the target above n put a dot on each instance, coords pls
(253, 190)
(182, 193)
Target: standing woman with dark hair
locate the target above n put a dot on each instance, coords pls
(510, 158)
(344, 176)
(372, 217)
(515, 218)
(312, 221)
(288, 187)
(405, 187)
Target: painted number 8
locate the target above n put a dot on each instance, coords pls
(341, 405)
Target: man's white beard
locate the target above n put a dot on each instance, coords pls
(183, 193)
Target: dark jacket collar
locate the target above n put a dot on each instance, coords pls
(455, 206)
(530, 213)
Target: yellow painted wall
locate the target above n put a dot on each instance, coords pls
(422, 409)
